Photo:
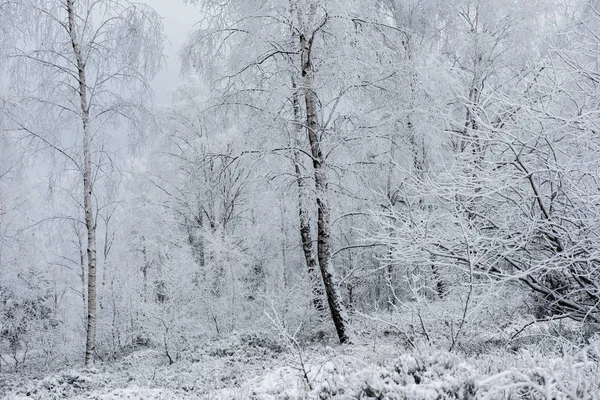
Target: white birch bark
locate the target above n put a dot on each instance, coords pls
(88, 187)
(313, 130)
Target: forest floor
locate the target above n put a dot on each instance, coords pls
(379, 366)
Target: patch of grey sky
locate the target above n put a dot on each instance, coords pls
(178, 19)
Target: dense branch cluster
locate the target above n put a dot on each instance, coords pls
(325, 160)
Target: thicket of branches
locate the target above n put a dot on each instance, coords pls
(430, 164)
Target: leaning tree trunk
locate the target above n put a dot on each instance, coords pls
(90, 224)
(313, 130)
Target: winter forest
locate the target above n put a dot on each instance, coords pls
(336, 199)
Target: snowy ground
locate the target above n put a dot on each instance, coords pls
(256, 367)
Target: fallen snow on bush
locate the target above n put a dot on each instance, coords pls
(253, 367)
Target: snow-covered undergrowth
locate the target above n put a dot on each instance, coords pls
(257, 367)
(432, 374)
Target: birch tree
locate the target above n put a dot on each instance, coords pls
(84, 67)
(290, 83)
(308, 25)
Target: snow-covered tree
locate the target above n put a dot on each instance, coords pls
(82, 68)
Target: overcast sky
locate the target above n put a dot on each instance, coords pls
(178, 19)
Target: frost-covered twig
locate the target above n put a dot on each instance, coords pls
(291, 341)
(390, 324)
(470, 292)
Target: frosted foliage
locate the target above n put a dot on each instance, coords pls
(121, 46)
(342, 199)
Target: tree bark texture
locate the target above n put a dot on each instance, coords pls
(313, 130)
(90, 224)
(303, 212)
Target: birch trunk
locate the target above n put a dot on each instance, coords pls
(303, 213)
(391, 198)
(319, 167)
(90, 342)
(195, 228)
